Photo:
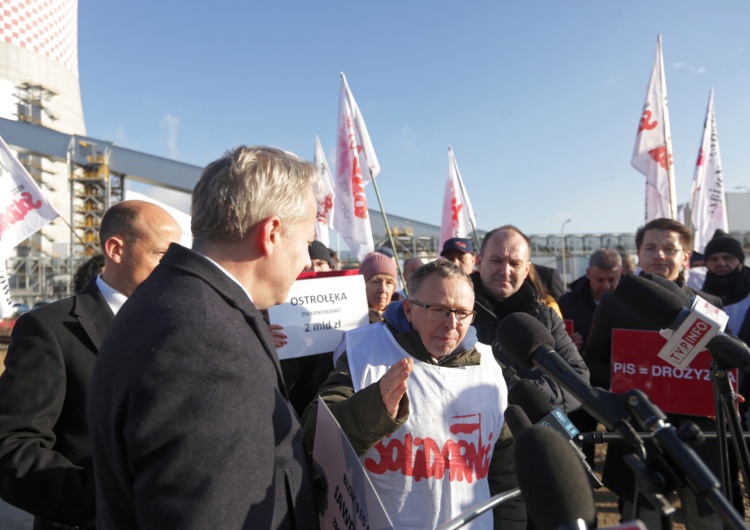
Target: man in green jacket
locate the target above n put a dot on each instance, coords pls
(423, 407)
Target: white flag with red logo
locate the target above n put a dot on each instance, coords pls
(324, 219)
(652, 155)
(355, 163)
(23, 207)
(458, 215)
(709, 211)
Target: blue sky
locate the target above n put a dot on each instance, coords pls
(540, 100)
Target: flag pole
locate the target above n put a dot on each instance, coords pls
(667, 136)
(388, 231)
(466, 198)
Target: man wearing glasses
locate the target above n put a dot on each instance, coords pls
(502, 286)
(423, 407)
(663, 249)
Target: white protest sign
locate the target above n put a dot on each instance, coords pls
(316, 313)
(349, 501)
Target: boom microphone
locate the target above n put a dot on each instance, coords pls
(669, 286)
(664, 308)
(529, 342)
(553, 485)
(539, 410)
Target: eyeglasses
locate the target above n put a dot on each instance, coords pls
(668, 251)
(441, 314)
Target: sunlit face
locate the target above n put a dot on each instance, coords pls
(156, 231)
(504, 264)
(661, 254)
(292, 254)
(722, 263)
(380, 289)
(440, 338)
(602, 281)
(465, 260)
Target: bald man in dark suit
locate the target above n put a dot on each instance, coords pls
(45, 456)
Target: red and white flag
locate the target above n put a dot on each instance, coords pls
(652, 155)
(23, 210)
(709, 210)
(324, 219)
(458, 215)
(355, 164)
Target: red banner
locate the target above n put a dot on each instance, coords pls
(681, 391)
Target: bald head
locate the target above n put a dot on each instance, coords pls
(410, 265)
(134, 236)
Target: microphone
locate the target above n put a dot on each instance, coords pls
(664, 308)
(553, 485)
(528, 342)
(537, 407)
(517, 420)
(539, 410)
(669, 286)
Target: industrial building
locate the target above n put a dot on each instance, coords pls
(41, 117)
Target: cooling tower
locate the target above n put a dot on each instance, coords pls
(39, 84)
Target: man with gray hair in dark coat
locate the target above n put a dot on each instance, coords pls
(190, 421)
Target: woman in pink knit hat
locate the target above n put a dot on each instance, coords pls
(380, 275)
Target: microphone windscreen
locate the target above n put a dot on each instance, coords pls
(552, 480)
(531, 399)
(649, 300)
(669, 286)
(520, 334)
(517, 420)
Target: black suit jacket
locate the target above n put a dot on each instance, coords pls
(191, 427)
(45, 456)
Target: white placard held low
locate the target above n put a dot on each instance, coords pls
(316, 313)
(349, 500)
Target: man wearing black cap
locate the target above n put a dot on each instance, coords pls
(728, 278)
(461, 252)
(320, 257)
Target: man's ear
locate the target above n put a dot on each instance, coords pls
(477, 260)
(268, 231)
(686, 261)
(114, 248)
(407, 309)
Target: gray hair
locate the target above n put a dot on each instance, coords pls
(605, 259)
(247, 185)
(441, 267)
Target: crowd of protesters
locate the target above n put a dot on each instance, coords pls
(154, 397)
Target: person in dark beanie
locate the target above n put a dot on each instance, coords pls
(380, 282)
(728, 278)
(320, 257)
